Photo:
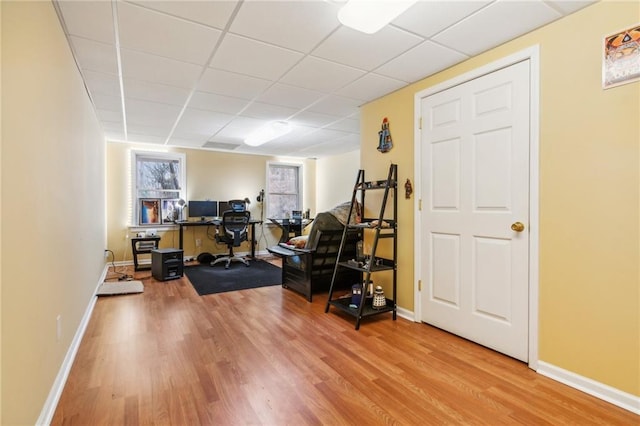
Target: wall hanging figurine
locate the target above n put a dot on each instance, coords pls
(384, 143)
(408, 189)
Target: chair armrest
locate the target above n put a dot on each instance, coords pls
(302, 250)
(281, 251)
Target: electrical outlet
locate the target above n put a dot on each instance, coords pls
(106, 253)
(198, 242)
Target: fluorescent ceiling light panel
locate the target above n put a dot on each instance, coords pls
(268, 132)
(369, 16)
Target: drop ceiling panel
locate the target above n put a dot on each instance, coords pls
(289, 96)
(427, 18)
(570, 6)
(268, 111)
(212, 13)
(95, 56)
(107, 102)
(99, 82)
(92, 20)
(350, 125)
(237, 130)
(507, 20)
(254, 58)
(366, 51)
(196, 121)
(151, 113)
(313, 119)
(321, 75)
(146, 67)
(217, 103)
(370, 87)
(337, 105)
(107, 116)
(163, 35)
(155, 92)
(298, 26)
(160, 133)
(420, 62)
(232, 84)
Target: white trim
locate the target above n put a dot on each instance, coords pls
(406, 314)
(532, 54)
(50, 405)
(599, 390)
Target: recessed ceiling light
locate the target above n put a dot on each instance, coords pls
(369, 16)
(268, 132)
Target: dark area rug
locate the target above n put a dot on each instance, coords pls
(215, 279)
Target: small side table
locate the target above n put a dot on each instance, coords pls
(143, 245)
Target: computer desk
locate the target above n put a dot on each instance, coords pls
(290, 226)
(217, 222)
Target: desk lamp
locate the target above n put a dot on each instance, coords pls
(181, 203)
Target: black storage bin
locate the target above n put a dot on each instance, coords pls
(167, 264)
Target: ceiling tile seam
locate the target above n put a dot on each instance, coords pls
(170, 15)
(116, 33)
(279, 79)
(430, 38)
(202, 72)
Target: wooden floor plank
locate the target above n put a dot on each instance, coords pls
(266, 356)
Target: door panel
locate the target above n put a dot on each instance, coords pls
(475, 174)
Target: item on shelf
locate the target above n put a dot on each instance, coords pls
(370, 290)
(355, 263)
(379, 301)
(356, 294)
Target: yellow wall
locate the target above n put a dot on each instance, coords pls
(589, 194)
(210, 175)
(336, 176)
(53, 236)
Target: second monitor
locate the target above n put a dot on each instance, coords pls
(235, 205)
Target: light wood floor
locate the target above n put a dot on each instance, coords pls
(267, 357)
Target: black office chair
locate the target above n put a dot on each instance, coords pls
(234, 232)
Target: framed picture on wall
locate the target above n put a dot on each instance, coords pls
(621, 57)
(170, 210)
(150, 211)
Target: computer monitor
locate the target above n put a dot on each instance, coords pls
(235, 205)
(203, 209)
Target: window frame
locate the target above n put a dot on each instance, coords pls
(268, 192)
(181, 158)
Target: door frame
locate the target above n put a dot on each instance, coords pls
(532, 54)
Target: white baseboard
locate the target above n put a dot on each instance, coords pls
(406, 314)
(50, 405)
(599, 390)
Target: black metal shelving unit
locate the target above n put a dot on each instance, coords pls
(384, 226)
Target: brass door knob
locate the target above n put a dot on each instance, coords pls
(517, 226)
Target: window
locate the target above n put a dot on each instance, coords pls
(283, 189)
(158, 181)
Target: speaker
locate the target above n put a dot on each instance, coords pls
(167, 264)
